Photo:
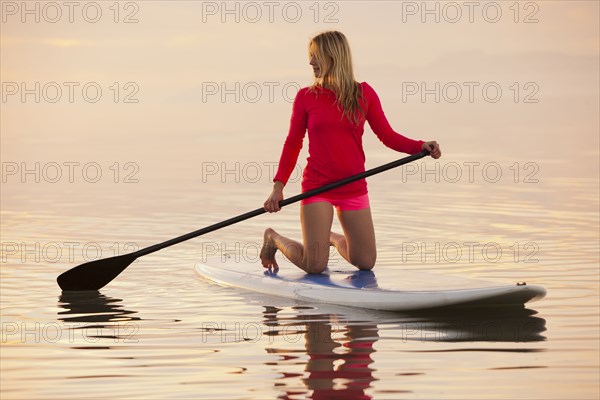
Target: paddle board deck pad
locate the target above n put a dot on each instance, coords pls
(344, 285)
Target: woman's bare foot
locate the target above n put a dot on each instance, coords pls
(267, 253)
(339, 242)
(336, 238)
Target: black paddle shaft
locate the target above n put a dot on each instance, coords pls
(285, 202)
(94, 275)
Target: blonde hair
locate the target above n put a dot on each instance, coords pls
(332, 52)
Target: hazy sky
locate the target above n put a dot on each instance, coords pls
(211, 80)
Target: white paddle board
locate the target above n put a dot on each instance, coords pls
(344, 285)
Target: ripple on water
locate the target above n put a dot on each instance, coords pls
(157, 331)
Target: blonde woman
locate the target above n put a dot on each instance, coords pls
(333, 111)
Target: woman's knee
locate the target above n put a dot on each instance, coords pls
(316, 258)
(365, 262)
(316, 268)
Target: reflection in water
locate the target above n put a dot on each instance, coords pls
(473, 324)
(93, 306)
(98, 317)
(338, 348)
(336, 368)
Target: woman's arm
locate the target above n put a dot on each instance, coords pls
(294, 139)
(381, 127)
(290, 152)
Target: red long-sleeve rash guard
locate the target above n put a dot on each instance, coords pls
(334, 143)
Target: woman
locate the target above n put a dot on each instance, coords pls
(333, 110)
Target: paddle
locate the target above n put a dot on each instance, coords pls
(94, 275)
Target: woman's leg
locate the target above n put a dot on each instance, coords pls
(357, 245)
(313, 255)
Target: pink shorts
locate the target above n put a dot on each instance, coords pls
(347, 204)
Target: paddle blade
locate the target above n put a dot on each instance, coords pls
(94, 275)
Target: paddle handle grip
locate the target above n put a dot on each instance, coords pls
(285, 202)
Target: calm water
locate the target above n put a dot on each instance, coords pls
(514, 198)
(158, 331)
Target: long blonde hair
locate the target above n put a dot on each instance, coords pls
(332, 52)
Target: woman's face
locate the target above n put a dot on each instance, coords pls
(315, 65)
